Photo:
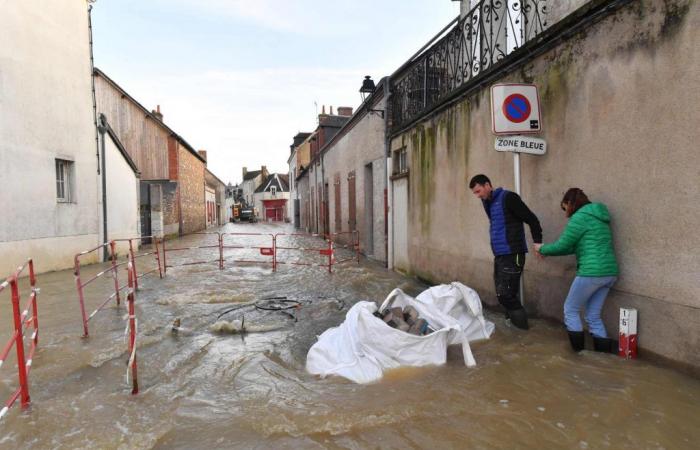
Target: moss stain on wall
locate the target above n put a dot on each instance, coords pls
(422, 180)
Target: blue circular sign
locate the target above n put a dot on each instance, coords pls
(516, 108)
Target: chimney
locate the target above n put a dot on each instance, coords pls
(264, 173)
(331, 110)
(323, 109)
(345, 111)
(156, 112)
(203, 154)
(245, 171)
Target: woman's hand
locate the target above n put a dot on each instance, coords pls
(537, 251)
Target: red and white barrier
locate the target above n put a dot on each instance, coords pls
(349, 240)
(628, 333)
(22, 320)
(311, 248)
(113, 272)
(132, 329)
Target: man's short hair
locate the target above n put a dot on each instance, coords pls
(479, 179)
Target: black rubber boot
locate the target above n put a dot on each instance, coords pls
(577, 339)
(603, 345)
(518, 317)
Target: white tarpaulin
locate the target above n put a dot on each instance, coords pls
(363, 346)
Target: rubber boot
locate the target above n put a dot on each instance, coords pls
(603, 345)
(577, 338)
(518, 317)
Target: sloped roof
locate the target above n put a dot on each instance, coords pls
(252, 174)
(110, 132)
(149, 114)
(276, 180)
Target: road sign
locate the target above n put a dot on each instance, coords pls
(515, 109)
(521, 144)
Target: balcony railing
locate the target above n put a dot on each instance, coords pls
(485, 36)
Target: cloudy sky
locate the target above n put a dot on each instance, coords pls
(240, 78)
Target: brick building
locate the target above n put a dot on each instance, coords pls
(172, 172)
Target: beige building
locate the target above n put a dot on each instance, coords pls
(619, 90)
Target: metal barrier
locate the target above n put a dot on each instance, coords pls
(113, 271)
(81, 286)
(269, 246)
(220, 260)
(326, 250)
(133, 257)
(21, 321)
(353, 245)
(252, 248)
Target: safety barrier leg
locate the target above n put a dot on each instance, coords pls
(132, 331)
(274, 253)
(160, 270)
(221, 252)
(165, 260)
(330, 255)
(133, 263)
(112, 246)
(19, 342)
(35, 309)
(81, 296)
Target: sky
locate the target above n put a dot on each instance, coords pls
(239, 78)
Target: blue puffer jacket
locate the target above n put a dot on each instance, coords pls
(507, 212)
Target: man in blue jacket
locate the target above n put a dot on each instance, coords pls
(507, 212)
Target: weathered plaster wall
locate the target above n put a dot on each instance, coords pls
(122, 197)
(45, 113)
(191, 186)
(620, 118)
(364, 144)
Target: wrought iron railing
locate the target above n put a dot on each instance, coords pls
(485, 36)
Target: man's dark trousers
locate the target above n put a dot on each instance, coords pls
(507, 270)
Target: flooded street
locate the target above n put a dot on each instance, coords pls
(206, 389)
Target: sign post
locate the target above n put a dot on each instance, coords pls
(515, 110)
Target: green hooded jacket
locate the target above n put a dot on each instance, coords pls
(587, 235)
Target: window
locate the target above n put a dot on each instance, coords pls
(64, 180)
(400, 161)
(273, 189)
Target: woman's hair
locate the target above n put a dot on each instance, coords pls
(573, 200)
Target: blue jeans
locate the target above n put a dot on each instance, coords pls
(587, 293)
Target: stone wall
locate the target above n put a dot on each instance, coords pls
(620, 118)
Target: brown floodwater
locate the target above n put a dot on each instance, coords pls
(206, 389)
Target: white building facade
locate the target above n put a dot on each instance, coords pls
(48, 150)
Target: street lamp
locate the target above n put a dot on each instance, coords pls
(367, 88)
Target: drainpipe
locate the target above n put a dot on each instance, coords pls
(94, 98)
(102, 129)
(388, 221)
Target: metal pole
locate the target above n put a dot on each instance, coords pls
(516, 173)
(112, 246)
(81, 296)
(19, 343)
(133, 263)
(132, 328)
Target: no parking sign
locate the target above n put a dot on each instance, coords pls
(515, 109)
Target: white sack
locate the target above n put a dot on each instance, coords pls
(363, 346)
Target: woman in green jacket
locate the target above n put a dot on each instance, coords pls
(588, 236)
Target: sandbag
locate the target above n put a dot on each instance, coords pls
(363, 346)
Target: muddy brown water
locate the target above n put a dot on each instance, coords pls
(201, 389)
